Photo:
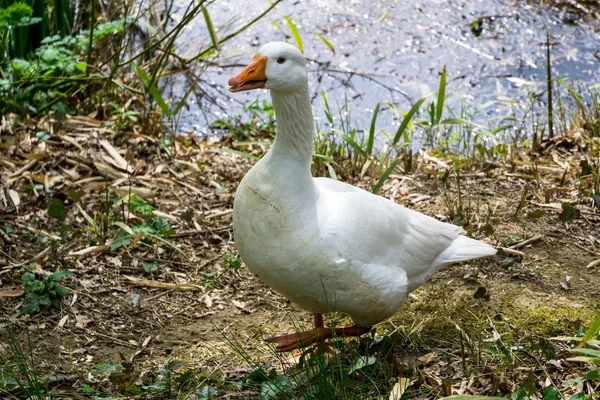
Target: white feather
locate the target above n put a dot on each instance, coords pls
(324, 244)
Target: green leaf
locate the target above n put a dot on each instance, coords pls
(325, 158)
(569, 213)
(578, 396)
(326, 41)
(361, 362)
(206, 393)
(441, 96)
(588, 352)
(550, 393)
(28, 278)
(279, 28)
(535, 214)
(121, 239)
(384, 177)
(407, 119)
(170, 244)
(371, 138)
(42, 136)
(150, 267)
(57, 209)
(591, 332)
(295, 33)
(58, 275)
(162, 226)
(211, 28)
(30, 308)
(61, 290)
(270, 389)
(590, 376)
(456, 121)
(487, 229)
(351, 143)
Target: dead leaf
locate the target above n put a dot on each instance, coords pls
(12, 293)
(428, 358)
(82, 321)
(62, 321)
(119, 161)
(35, 156)
(239, 304)
(14, 197)
(399, 388)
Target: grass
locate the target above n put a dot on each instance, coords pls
(78, 65)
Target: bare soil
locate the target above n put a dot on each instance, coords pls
(205, 305)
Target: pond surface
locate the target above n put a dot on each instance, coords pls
(394, 50)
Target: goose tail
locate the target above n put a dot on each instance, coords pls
(463, 248)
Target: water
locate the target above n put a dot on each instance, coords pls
(394, 50)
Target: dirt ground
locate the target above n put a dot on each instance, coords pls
(193, 308)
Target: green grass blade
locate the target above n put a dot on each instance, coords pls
(384, 177)
(371, 138)
(279, 28)
(591, 333)
(326, 41)
(168, 243)
(295, 33)
(327, 109)
(331, 171)
(441, 96)
(588, 352)
(211, 28)
(407, 119)
(153, 91)
(500, 129)
(351, 143)
(325, 158)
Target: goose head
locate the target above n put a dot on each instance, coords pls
(277, 66)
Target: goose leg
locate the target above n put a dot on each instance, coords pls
(292, 341)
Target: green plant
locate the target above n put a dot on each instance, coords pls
(18, 368)
(45, 79)
(588, 348)
(231, 261)
(152, 228)
(45, 292)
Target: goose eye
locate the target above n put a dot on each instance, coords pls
(280, 60)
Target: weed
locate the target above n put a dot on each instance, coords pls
(45, 292)
(18, 369)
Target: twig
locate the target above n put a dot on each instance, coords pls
(38, 231)
(526, 242)
(35, 258)
(508, 250)
(118, 341)
(158, 295)
(595, 253)
(5, 236)
(593, 264)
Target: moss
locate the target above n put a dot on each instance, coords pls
(513, 311)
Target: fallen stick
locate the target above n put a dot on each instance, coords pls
(526, 242)
(593, 264)
(514, 252)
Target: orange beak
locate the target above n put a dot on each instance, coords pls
(251, 77)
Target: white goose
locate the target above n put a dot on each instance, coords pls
(324, 244)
